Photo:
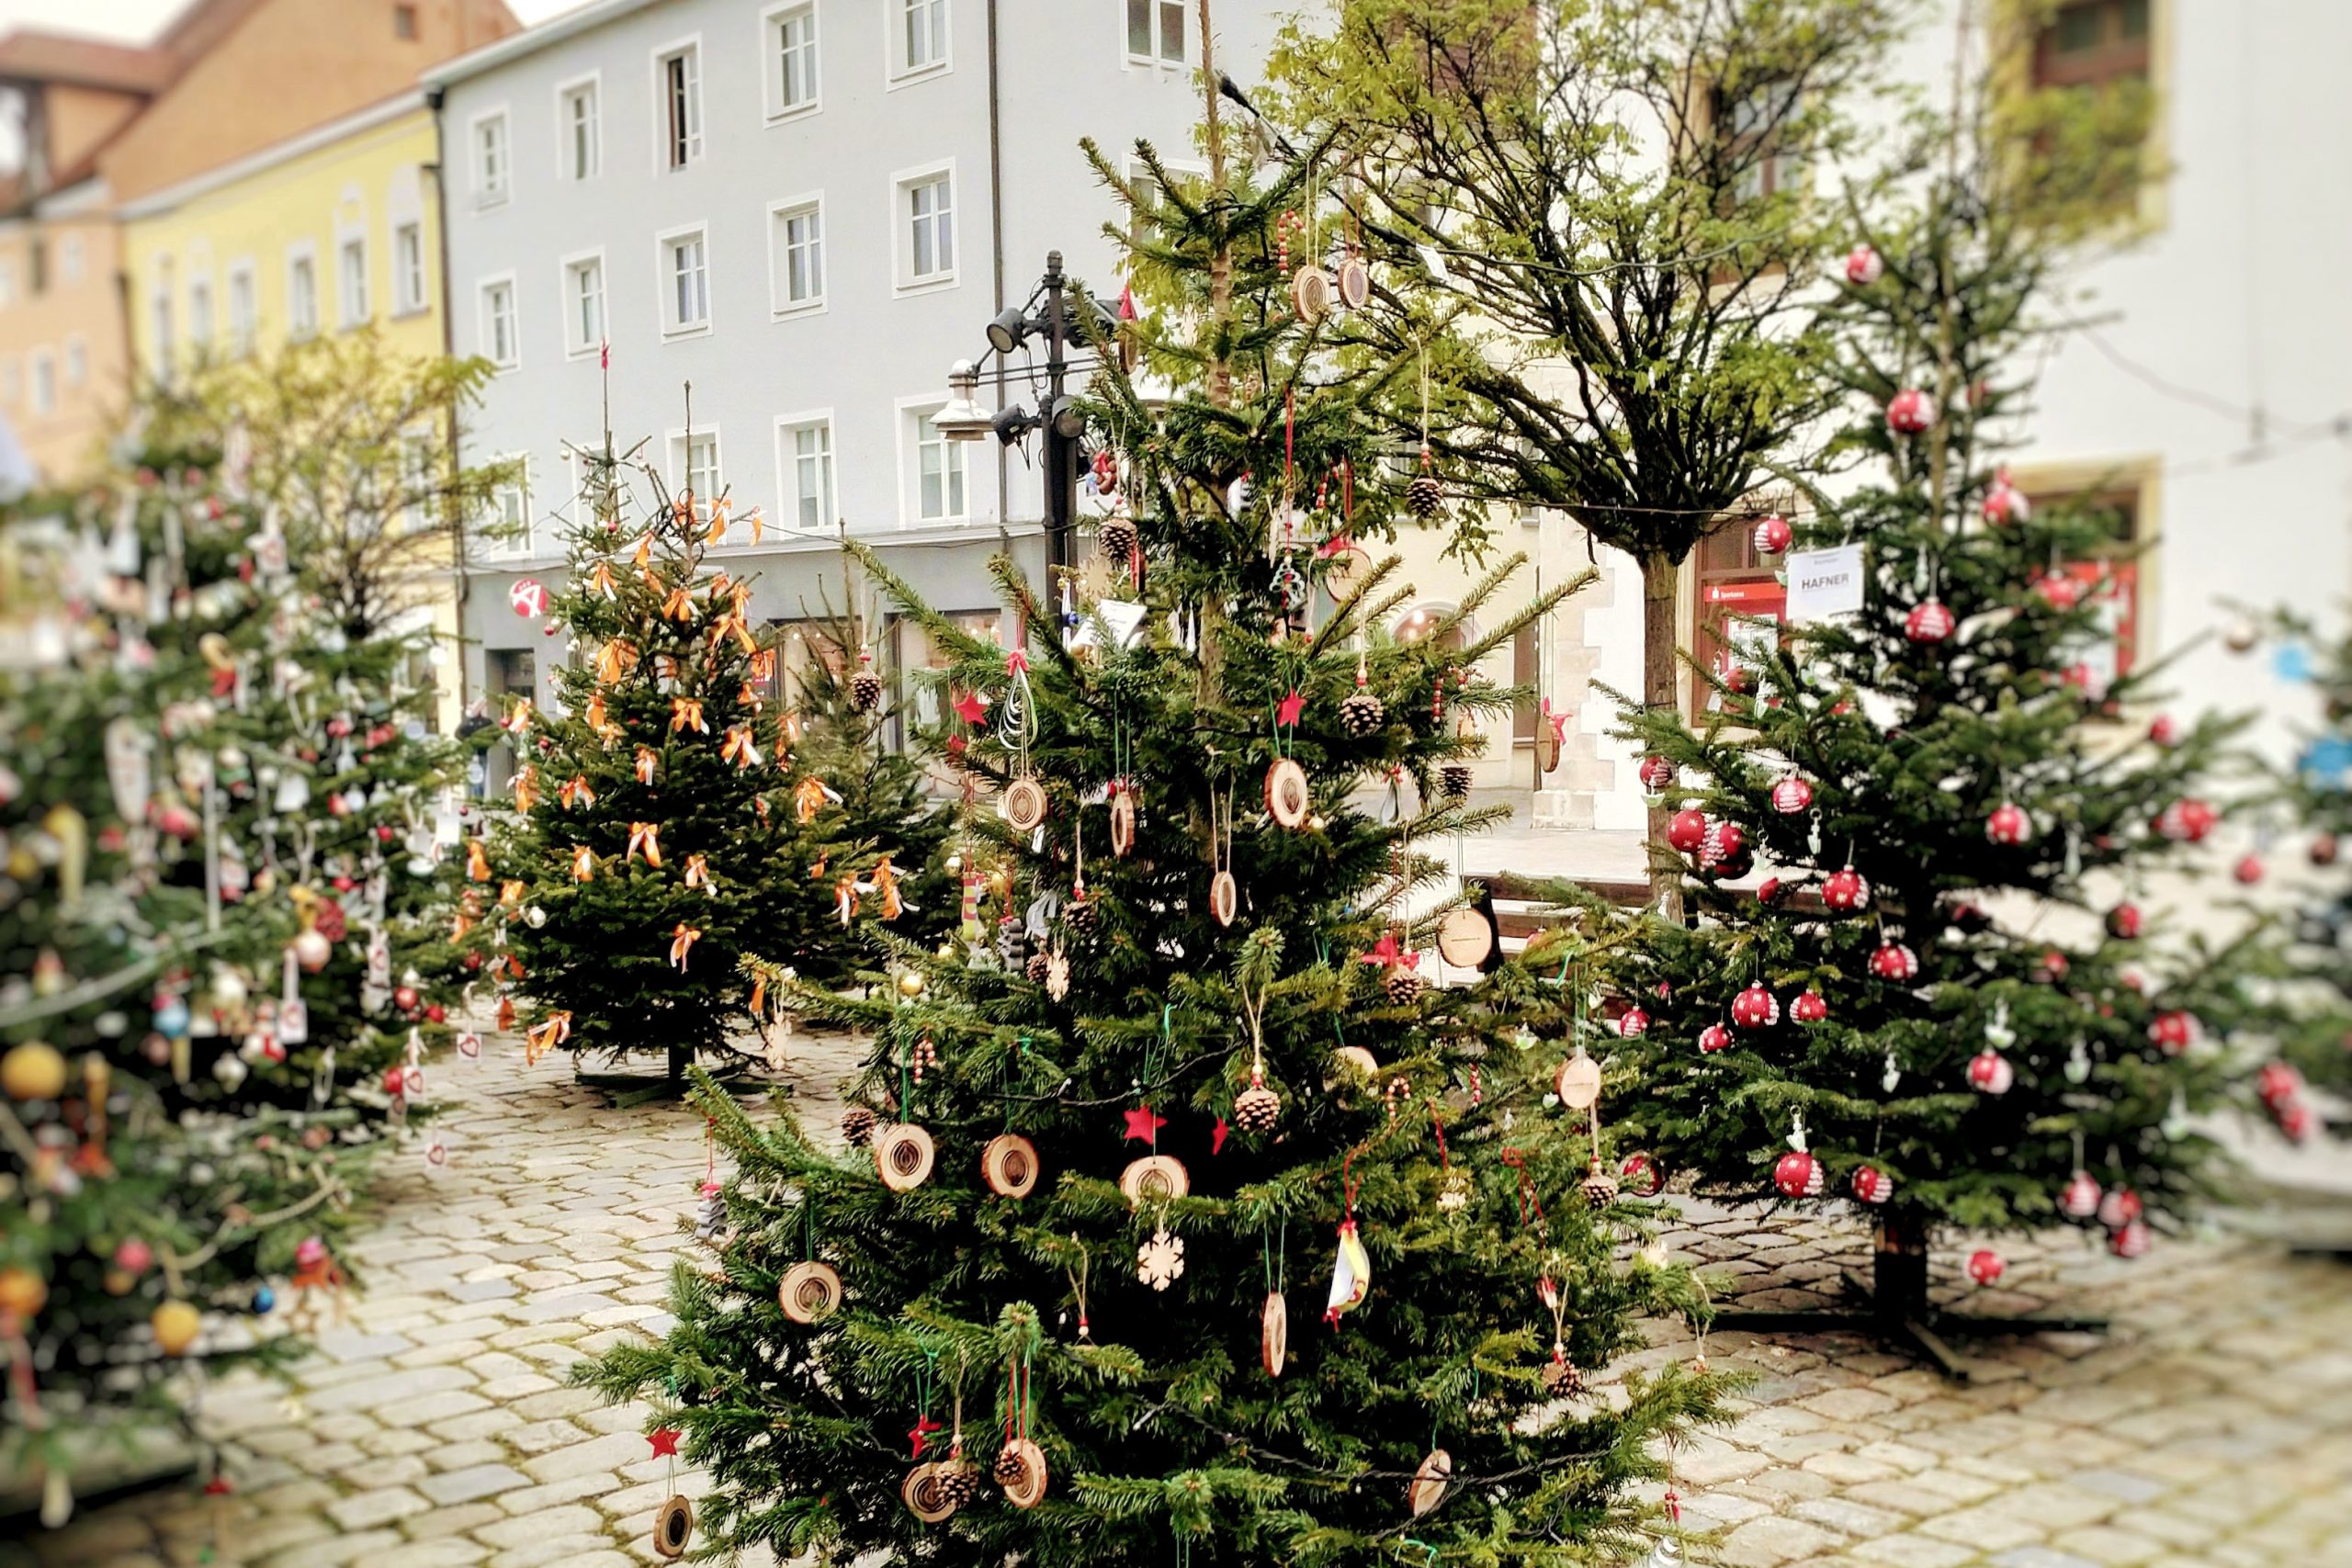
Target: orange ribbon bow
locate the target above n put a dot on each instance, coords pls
(739, 748)
(526, 787)
(808, 800)
(757, 522)
(718, 522)
(679, 605)
(615, 659)
(518, 717)
(885, 883)
(601, 579)
(845, 898)
(697, 871)
(476, 860)
(542, 1037)
(510, 894)
(584, 864)
(644, 550)
(578, 792)
(682, 942)
(686, 713)
(645, 758)
(593, 716)
(645, 836)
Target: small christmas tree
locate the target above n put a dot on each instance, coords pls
(1904, 1015)
(1186, 1068)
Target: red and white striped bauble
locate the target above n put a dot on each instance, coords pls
(1989, 1072)
(1928, 622)
(2186, 821)
(2051, 967)
(2080, 1201)
(2119, 1208)
(1687, 830)
(2132, 1239)
(1798, 1175)
(1910, 411)
(1986, 1265)
(2278, 1081)
(1864, 266)
(1657, 773)
(2248, 870)
(1726, 850)
(1845, 891)
(1809, 1006)
(2161, 730)
(1641, 1177)
(1714, 1038)
(2172, 1033)
(2123, 922)
(1773, 535)
(1632, 1023)
(1755, 1008)
(2004, 503)
(1792, 795)
(2058, 590)
(1872, 1185)
(1893, 960)
(2008, 825)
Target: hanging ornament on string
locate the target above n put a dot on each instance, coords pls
(1351, 1265)
(1225, 893)
(1274, 1318)
(1289, 798)
(1362, 713)
(1798, 1174)
(1019, 1466)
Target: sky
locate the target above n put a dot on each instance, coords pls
(135, 21)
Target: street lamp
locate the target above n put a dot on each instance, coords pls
(963, 419)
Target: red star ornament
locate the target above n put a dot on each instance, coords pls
(665, 1442)
(1144, 1123)
(919, 1433)
(1217, 1135)
(971, 708)
(1290, 708)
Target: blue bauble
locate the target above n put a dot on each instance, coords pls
(172, 1018)
(264, 1299)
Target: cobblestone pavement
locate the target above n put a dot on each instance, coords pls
(2213, 1427)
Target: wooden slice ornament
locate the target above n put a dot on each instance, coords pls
(1344, 571)
(1548, 748)
(1273, 1334)
(1009, 1164)
(1311, 293)
(1224, 897)
(1122, 819)
(1577, 1083)
(674, 1528)
(1024, 804)
(1288, 798)
(1021, 1470)
(1355, 1059)
(903, 1154)
(809, 1291)
(1155, 1179)
(920, 1493)
(1464, 939)
(1429, 1481)
(1354, 280)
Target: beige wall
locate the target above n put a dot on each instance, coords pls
(81, 119)
(73, 319)
(289, 66)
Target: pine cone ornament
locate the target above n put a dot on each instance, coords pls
(857, 1126)
(1424, 495)
(1600, 1188)
(1081, 917)
(957, 1481)
(1362, 713)
(1404, 985)
(1454, 779)
(1036, 968)
(1561, 1378)
(1117, 540)
(1255, 1109)
(1010, 1467)
(865, 686)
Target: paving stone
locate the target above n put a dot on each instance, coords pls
(364, 1510)
(571, 1518)
(1767, 1543)
(475, 1480)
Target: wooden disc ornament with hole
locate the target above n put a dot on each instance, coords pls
(1547, 747)
(1273, 1334)
(1287, 797)
(1024, 804)
(1355, 1059)
(920, 1493)
(1464, 939)
(1310, 293)
(809, 1291)
(1224, 897)
(1123, 821)
(1355, 281)
(1345, 570)
(674, 1528)
(1155, 1179)
(1429, 1481)
(1026, 1463)
(903, 1154)
(1009, 1164)
(1577, 1083)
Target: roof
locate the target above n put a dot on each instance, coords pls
(29, 54)
(531, 40)
(384, 112)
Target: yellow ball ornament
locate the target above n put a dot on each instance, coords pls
(909, 983)
(22, 1293)
(32, 1071)
(174, 1324)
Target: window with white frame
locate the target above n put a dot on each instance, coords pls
(408, 267)
(77, 361)
(921, 41)
(417, 479)
(927, 227)
(678, 93)
(44, 381)
(937, 470)
(694, 467)
(1155, 31)
(500, 343)
(685, 282)
(792, 59)
(583, 304)
(161, 344)
(492, 161)
(200, 318)
(580, 128)
(302, 294)
(509, 508)
(351, 280)
(804, 445)
(796, 254)
(69, 259)
(244, 314)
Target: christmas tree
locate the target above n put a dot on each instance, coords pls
(666, 817)
(1185, 1067)
(1947, 1003)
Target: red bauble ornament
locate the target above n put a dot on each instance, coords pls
(383, 832)
(1714, 1038)
(1797, 1175)
(1872, 1185)
(2276, 1083)
(2051, 967)
(1790, 796)
(1755, 1008)
(2080, 1199)
(1928, 622)
(2186, 821)
(1969, 918)
(2123, 922)
(1986, 1265)
(2059, 590)
(1989, 1072)
(436, 1013)
(1895, 962)
(2161, 730)
(473, 961)
(2005, 503)
(1768, 891)
(2323, 850)
(1640, 1176)
(2248, 869)
(1725, 842)
(1910, 411)
(1632, 1023)
(404, 998)
(2131, 1239)
(2121, 1207)
(1773, 535)
(2296, 1120)
(1864, 266)
(1657, 773)
(1687, 830)
(1809, 1006)
(2172, 1033)
(396, 1081)
(2008, 825)
(1845, 891)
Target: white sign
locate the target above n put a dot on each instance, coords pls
(1823, 583)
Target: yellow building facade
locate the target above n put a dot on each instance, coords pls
(333, 231)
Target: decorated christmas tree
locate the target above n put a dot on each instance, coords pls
(665, 817)
(1946, 1004)
(1184, 1086)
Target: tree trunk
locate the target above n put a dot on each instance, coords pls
(1899, 1269)
(679, 1057)
(1661, 577)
